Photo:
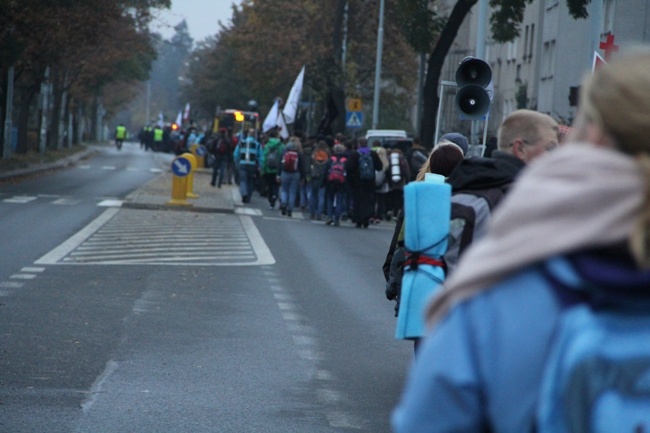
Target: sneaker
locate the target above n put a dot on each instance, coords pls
(271, 206)
(337, 223)
(283, 209)
(329, 221)
(289, 213)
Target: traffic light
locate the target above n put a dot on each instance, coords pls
(473, 76)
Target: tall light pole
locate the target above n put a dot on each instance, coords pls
(380, 43)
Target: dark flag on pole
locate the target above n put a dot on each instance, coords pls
(331, 113)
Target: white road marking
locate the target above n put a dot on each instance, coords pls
(31, 269)
(22, 199)
(22, 276)
(68, 246)
(110, 203)
(11, 284)
(66, 201)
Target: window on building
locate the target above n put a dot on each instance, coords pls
(609, 6)
(548, 60)
(526, 42)
(532, 38)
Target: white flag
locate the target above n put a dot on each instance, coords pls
(160, 123)
(186, 116)
(179, 119)
(271, 119)
(291, 107)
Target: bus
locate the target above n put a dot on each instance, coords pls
(238, 121)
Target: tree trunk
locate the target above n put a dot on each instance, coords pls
(54, 132)
(436, 61)
(26, 98)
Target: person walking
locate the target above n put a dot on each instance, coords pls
(291, 173)
(319, 158)
(335, 182)
(120, 135)
(271, 167)
(361, 168)
(220, 147)
(381, 185)
(248, 157)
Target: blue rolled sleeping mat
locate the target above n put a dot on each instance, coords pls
(427, 210)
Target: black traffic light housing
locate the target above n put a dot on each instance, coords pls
(473, 76)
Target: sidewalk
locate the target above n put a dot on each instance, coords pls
(157, 193)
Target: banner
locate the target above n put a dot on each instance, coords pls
(291, 107)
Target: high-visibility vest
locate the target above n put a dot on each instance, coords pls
(157, 134)
(120, 132)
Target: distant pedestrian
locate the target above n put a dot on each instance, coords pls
(361, 168)
(318, 169)
(220, 147)
(249, 158)
(271, 167)
(291, 174)
(335, 182)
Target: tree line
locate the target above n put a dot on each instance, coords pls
(86, 55)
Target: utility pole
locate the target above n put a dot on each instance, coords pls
(380, 43)
(6, 148)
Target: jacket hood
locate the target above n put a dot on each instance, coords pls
(483, 173)
(273, 143)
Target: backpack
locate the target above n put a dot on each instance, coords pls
(597, 374)
(366, 167)
(272, 159)
(248, 153)
(337, 171)
(219, 146)
(318, 164)
(470, 213)
(290, 161)
(416, 161)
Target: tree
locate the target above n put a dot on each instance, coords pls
(504, 24)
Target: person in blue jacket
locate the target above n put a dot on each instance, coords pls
(578, 216)
(249, 157)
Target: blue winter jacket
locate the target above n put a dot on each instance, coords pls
(480, 369)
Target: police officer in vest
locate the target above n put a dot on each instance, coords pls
(120, 135)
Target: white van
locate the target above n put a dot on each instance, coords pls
(383, 135)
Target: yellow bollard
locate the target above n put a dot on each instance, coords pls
(190, 177)
(181, 168)
(199, 151)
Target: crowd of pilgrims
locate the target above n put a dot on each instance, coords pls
(331, 178)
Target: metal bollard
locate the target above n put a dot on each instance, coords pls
(182, 169)
(190, 177)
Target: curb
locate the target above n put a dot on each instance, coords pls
(191, 208)
(56, 165)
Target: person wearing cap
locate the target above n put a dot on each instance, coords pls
(458, 139)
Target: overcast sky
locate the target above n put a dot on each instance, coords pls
(202, 17)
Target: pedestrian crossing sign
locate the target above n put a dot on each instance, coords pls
(354, 119)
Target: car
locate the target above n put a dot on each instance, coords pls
(384, 135)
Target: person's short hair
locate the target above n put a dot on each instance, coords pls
(525, 125)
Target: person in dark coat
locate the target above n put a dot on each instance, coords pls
(362, 185)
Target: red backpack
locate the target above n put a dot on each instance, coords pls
(337, 170)
(290, 161)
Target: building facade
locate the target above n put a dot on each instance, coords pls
(551, 55)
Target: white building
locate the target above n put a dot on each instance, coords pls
(551, 55)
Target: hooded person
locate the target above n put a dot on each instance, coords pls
(271, 166)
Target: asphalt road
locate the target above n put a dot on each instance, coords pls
(185, 322)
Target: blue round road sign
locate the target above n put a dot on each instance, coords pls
(181, 166)
(201, 150)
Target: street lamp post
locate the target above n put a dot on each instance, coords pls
(380, 43)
